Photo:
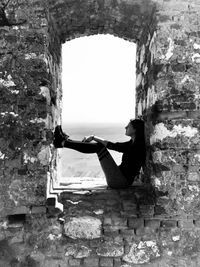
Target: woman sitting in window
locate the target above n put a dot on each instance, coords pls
(134, 153)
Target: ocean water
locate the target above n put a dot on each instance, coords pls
(76, 164)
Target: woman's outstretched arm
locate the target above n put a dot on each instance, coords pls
(100, 140)
(118, 146)
(95, 138)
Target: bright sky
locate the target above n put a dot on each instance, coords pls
(98, 79)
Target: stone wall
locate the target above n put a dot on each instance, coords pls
(153, 225)
(24, 105)
(107, 228)
(175, 134)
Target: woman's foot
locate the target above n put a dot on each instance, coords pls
(66, 136)
(59, 137)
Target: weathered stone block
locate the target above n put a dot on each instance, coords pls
(110, 249)
(77, 251)
(83, 227)
(142, 252)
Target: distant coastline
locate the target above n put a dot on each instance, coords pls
(92, 124)
(76, 164)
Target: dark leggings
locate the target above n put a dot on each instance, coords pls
(114, 176)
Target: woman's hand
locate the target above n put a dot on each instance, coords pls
(88, 138)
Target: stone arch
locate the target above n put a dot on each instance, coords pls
(124, 19)
(132, 21)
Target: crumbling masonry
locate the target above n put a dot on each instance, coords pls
(154, 225)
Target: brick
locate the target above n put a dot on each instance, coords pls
(107, 221)
(108, 232)
(110, 249)
(117, 262)
(112, 202)
(154, 224)
(106, 262)
(159, 210)
(197, 223)
(55, 263)
(186, 223)
(128, 232)
(178, 168)
(135, 222)
(20, 210)
(75, 262)
(119, 221)
(140, 231)
(129, 214)
(128, 205)
(91, 262)
(193, 177)
(94, 243)
(118, 239)
(146, 210)
(169, 223)
(145, 231)
(38, 209)
(128, 235)
(114, 228)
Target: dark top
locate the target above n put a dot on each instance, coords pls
(132, 159)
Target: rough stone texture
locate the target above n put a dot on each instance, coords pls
(174, 114)
(110, 249)
(77, 251)
(142, 253)
(167, 98)
(83, 227)
(41, 240)
(27, 88)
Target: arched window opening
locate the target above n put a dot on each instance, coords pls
(98, 81)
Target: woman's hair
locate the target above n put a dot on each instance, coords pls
(138, 125)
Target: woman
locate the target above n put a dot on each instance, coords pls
(133, 157)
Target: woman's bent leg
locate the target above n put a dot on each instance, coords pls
(114, 177)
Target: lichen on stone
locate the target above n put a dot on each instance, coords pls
(161, 132)
(110, 249)
(86, 227)
(142, 252)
